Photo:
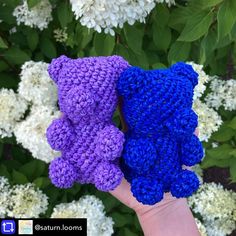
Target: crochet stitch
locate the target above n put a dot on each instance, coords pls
(89, 142)
(157, 108)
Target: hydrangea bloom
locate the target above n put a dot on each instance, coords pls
(201, 227)
(60, 35)
(12, 109)
(4, 196)
(36, 86)
(157, 106)
(107, 14)
(216, 206)
(26, 201)
(203, 79)
(38, 16)
(88, 207)
(31, 133)
(209, 120)
(223, 93)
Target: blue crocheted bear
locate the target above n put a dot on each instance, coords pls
(157, 108)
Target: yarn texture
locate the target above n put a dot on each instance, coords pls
(89, 142)
(157, 108)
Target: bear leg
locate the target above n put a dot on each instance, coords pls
(62, 173)
(185, 184)
(146, 190)
(107, 176)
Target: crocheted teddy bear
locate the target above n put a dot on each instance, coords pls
(89, 142)
(157, 108)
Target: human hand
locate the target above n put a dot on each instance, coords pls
(169, 217)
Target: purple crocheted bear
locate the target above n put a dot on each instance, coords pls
(89, 142)
(157, 107)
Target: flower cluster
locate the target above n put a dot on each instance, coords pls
(12, 109)
(88, 207)
(107, 14)
(209, 120)
(203, 79)
(223, 93)
(36, 86)
(21, 201)
(60, 35)
(201, 227)
(217, 208)
(38, 16)
(4, 195)
(31, 132)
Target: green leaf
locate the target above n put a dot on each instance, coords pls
(32, 3)
(32, 39)
(161, 37)
(8, 80)
(4, 171)
(196, 26)
(42, 182)
(48, 48)
(179, 51)
(233, 169)
(226, 17)
(224, 134)
(120, 219)
(158, 65)
(134, 37)
(19, 178)
(220, 152)
(104, 44)
(209, 162)
(209, 3)
(232, 123)
(2, 43)
(207, 46)
(64, 13)
(122, 51)
(16, 56)
(33, 169)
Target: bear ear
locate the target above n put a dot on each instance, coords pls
(129, 80)
(55, 66)
(186, 70)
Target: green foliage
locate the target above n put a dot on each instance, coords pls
(194, 30)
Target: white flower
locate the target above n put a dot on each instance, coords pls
(107, 14)
(31, 133)
(217, 208)
(26, 201)
(4, 196)
(60, 35)
(12, 109)
(201, 227)
(203, 78)
(223, 93)
(88, 207)
(38, 16)
(36, 86)
(208, 120)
